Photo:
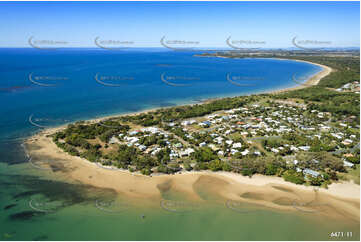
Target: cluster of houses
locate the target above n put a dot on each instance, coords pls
(240, 131)
(133, 138)
(350, 87)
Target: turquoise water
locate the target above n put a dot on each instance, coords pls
(45, 208)
(62, 87)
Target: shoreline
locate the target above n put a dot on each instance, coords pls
(231, 184)
(311, 81)
(341, 200)
(344, 189)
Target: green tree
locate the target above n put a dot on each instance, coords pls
(293, 176)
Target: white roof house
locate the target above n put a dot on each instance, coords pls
(114, 140)
(229, 142)
(134, 132)
(304, 148)
(218, 140)
(202, 144)
(348, 164)
(171, 124)
(189, 150)
(311, 172)
(186, 152)
(245, 152)
(188, 122)
(205, 123)
(274, 150)
(336, 136)
(132, 140)
(189, 136)
(237, 145)
(152, 130)
(347, 85)
(257, 153)
(233, 151)
(154, 152)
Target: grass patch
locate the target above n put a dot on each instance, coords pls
(351, 175)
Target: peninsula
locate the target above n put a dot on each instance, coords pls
(306, 136)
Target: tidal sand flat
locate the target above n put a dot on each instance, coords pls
(270, 192)
(87, 202)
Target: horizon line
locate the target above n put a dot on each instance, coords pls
(160, 47)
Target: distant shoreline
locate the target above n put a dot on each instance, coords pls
(311, 81)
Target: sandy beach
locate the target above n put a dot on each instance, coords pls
(41, 145)
(312, 81)
(339, 200)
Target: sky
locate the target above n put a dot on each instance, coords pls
(201, 24)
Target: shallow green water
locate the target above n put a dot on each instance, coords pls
(35, 208)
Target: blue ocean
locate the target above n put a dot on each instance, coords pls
(55, 87)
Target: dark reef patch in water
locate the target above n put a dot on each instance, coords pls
(12, 153)
(63, 193)
(25, 215)
(25, 194)
(9, 206)
(44, 162)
